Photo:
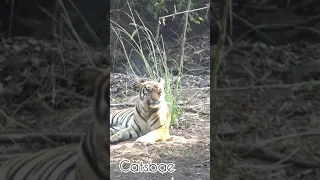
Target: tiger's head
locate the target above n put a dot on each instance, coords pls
(152, 93)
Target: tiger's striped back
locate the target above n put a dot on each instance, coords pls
(149, 120)
(120, 119)
(89, 160)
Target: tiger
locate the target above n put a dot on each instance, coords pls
(88, 160)
(148, 122)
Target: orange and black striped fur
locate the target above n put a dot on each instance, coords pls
(89, 161)
(148, 121)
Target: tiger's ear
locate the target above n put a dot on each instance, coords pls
(137, 85)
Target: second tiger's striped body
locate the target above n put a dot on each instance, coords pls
(87, 161)
(49, 164)
(148, 121)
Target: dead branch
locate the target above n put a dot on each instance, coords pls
(194, 110)
(252, 150)
(177, 13)
(289, 136)
(272, 86)
(131, 105)
(11, 156)
(184, 108)
(39, 137)
(75, 116)
(187, 11)
(123, 105)
(13, 121)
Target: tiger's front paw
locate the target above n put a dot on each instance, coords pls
(115, 138)
(144, 140)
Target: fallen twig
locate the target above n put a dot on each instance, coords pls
(10, 119)
(296, 135)
(251, 150)
(184, 108)
(123, 105)
(132, 104)
(75, 116)
(10, 156)
(194, 110)
(39, 137)
(276, 86)
(177, 13)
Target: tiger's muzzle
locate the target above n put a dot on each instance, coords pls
(153, 103)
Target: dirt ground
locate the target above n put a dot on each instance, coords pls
(270, 112)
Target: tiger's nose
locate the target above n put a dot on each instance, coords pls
(154, 101)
